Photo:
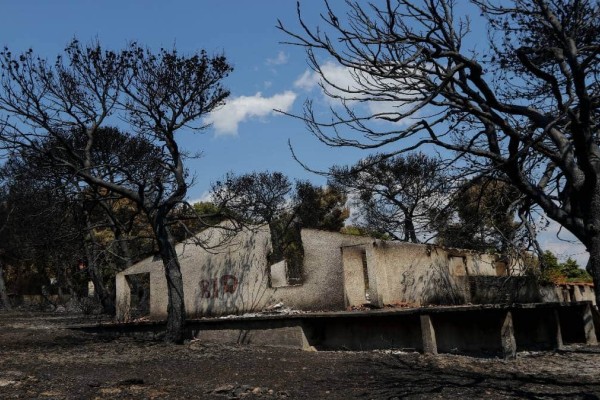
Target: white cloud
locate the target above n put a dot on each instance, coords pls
(206, 196)
(307, 81)
(337, 75)
(281, 59)
(350, 85)
(226, 119)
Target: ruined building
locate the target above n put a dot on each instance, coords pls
(338, 272)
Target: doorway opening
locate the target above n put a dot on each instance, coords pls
(139, 286)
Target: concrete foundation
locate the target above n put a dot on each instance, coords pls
(479, 330)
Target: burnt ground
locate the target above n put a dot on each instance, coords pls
(41, 359)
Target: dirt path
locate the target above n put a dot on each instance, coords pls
(41, 359)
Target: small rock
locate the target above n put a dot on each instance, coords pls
(224, 389)
(275, 306)
(6, 382)
(257, 390)
(241, 391)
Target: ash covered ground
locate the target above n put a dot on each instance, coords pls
(40, 358)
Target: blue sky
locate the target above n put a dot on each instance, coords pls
(246, 135)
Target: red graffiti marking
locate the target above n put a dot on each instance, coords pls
(210, 288)
(229, 283)
(204, 289)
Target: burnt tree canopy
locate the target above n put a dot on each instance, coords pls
(523, 103)
(482, 215)
(401, 196)
(152, 95)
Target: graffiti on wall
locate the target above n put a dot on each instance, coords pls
(218, 287)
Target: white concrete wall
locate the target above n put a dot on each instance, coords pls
(232, 277)
(417, 274)
(324, 275)
(481, 264)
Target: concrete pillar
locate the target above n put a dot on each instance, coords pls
(592, 295)
(559, 294)
(567, 294)
(588, 326)
(305, 332)
(558, 338)
(577, 296)
(428, 335)
(588, 294)
(507, 337)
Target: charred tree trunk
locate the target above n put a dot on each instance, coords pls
(65, 280)
(108, 305)
(410, 235)
(593, 243)
(593, 266)
(125, 249)
(168, 253)
(591, 237)
(105, 297)
(3, 293)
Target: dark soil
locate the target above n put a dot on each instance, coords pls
(41, 359)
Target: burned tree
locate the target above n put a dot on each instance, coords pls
(5, 212)
(270, 198)
(56, 216)
(258, 198)
(41, 238)
(482, 216)
(157, 94)
(524, 105)
(403, 197)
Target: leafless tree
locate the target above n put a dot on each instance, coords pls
(270, 198)
(39, 238)
(88, 88)
(399, 196)
(524, 103)
(4, 213)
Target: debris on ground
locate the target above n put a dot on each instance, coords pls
(41, 359)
